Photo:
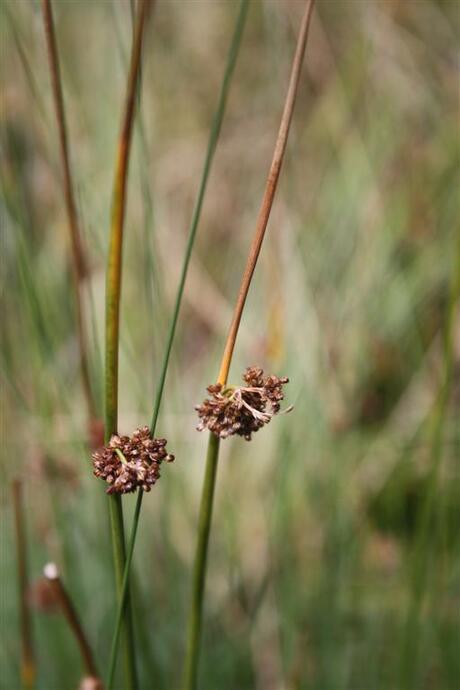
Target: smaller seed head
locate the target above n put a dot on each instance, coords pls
(128, 464)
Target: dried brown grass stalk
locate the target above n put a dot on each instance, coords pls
(62, 597)
(79, 263)
(28, 669)
(269, 194)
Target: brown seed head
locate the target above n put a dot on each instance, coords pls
(128, 464)
(242, 410)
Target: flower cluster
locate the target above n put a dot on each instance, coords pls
(244, 409)
(128, 464)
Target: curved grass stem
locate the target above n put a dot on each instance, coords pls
(269, 193)
(212, 143)
(190, 679)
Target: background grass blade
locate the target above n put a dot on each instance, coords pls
(79, 261)
(427, 538)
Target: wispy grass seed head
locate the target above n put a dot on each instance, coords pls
(242, 410)
(131, 463)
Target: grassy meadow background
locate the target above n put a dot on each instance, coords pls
(334, 557)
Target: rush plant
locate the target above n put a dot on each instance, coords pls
(211, 148)
(112, 328)
(233, 398)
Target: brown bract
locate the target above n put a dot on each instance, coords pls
(128, 464)
(242, 410)
(42, 597)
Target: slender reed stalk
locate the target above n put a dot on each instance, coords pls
(212, 143)
(79, 264)
(204, 525)
(195, 616)
(28, 670)
(62, 597)
(425, 545)
(113, 294)
(113, 287)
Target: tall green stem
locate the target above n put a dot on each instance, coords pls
(113, 295)
(212, 143)
(199, 567)
(190, 679)
(122, 573)
(119, 559)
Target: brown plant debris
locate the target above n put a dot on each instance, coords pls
(242, 410)
(128, 464)
(42, 597)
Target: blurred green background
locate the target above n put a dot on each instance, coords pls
(334, 559)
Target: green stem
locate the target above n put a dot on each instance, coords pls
(113, 295)
(122, 572)
(119, 558)
(212, 143)
(199, 567)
